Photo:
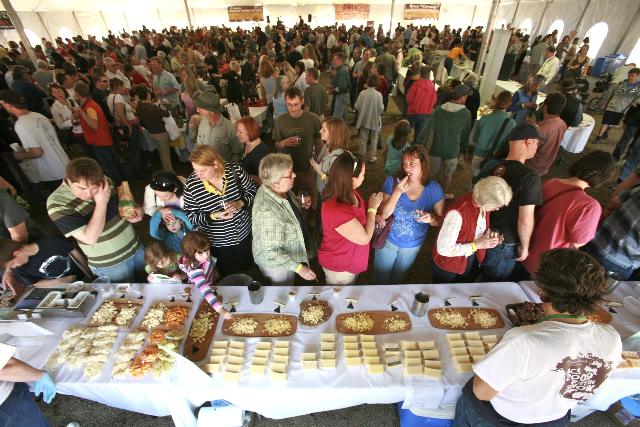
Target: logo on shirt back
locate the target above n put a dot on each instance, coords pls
(582, 376)
(500, 170)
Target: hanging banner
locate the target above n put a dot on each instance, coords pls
(345, 12)
(370, 23)
(421, 11)
(5, 21)
(245, 13)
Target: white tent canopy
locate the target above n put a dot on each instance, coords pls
(617, 19)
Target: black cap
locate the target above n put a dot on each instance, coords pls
(525, 131)
(12, 97)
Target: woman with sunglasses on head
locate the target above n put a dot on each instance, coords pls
(416, 202)
(348, 222)
(164, 194)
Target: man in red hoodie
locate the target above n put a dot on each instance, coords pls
(421, 98)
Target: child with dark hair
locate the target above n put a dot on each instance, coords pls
(161, 259)
(200, 266)
(170, 230)
(392, 152)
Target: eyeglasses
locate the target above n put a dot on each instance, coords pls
(355, 160)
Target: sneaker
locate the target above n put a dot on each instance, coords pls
(599, 111)
(598, 140)
(373, 160)
(605, 136)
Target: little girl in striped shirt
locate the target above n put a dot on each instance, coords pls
(199, 265)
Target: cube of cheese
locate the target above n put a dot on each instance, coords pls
(349, 339)
(235, 360)
(490, 346)
(455, 344)
(475, 358)
(410, 354)
(408, 345)
(353, 361)
(426, 345)
(476, 351)
(219, 352)
(236, 344)
(327, 355)
(370, 352)
(328, 337)
(472, 336)
(277, 367)
(453, 337)
(217, 359)
(262, 353)
(412, 361)
(220, 344)
(258, 369)
(281, 359)
(262, 345)
(490, 339)
(367, 338)
(413, 370)
(213, 368)
(430, 354)
(328, 346)
(281, 351)
(475, 343)
(368, 345)
(460, 351)
(236, 352)
(260, 361)
(464, 367)
(282, 344)
(308, 356)
(460, 359)
(278, 376)
(351, 346)
(434, 373)
(433, 364)
(309, 365)
(231, 377)
(376, 369)
(369, 360)
(327, 364)
(351, 353)
(233, 368)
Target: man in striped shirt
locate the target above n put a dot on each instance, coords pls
(85, 206)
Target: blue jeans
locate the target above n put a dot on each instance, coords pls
(340, 110)
(627, 136)
(417, 122)
(466, 416)
(385, 98)
(138, 164)
(470, 274)
(625, 272)
(129, 271)
(633, 158)
(499, 262)
(110, 163)
(21, 410)
(392, 262)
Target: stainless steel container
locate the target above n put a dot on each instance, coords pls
(255, 292)
(613, 280)
(420, 304)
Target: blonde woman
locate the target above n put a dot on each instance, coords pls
(313, 55)
(289, 71)
(190, 90)
(279, 104)
(268, 78)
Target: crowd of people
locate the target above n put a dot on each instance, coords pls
(243, 205)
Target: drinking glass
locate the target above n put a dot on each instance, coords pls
(103, 285)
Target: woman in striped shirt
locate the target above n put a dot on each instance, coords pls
(216, 200)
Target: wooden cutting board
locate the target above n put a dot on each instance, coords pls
(378, 318)
(466, 312)
(600, 316)
(259, 331)
(170, 305)
(119, 303)
(197, 351)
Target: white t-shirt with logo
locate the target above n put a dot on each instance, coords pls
(542, 371)
(6, 387)
(35, 130)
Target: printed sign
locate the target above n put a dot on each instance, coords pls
(245, 13)
(345, 12)
(5, 21)
(421, 11)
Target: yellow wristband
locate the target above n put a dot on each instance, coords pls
(374, 210)
(213, 217)
(474, 247)
(324, 175)
(523, 106)
(299, 268)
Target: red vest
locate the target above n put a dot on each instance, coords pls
(100, 136)
(469, 212)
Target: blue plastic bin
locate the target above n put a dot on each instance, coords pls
(409, 419)
(632, 404)
(597, 67)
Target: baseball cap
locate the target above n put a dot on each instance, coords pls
(462, 90)
(525, 131)
(12, 97)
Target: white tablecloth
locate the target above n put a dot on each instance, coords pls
(459, 71)
(402, 74)
(575, 138)
(258, 113)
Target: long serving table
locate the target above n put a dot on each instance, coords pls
(305, 391)
(622, 382)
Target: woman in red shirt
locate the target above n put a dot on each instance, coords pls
(348, 222)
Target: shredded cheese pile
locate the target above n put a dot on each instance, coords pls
(395, 323)
(450, 318)
(358, 322)
(244, 325)
(483, 318)
(277, 326)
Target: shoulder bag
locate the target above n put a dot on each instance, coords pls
(380, 236)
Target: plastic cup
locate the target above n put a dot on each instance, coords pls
(103, 285)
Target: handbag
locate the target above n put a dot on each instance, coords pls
(380, 237)
(172, 127)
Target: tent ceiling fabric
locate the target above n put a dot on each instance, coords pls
(96, 17)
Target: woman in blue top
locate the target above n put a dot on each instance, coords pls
(416, 201)
(279, 104)
(525, 99)
(170, 230)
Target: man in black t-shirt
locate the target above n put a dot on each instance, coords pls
(48, 261)
(516, 220)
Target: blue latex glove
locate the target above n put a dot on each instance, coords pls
(46, 386)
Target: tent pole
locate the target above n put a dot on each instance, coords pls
(6, 42)
(473, 16)
(626, 33)
(515, 13)
(582, 16)
(77, 23)
(393, 3)
(485, 40)
(126, 22)
(45, 27)
(160, 19)
(106, 27)
(535, 33)
(15, 19)
(186, 7)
